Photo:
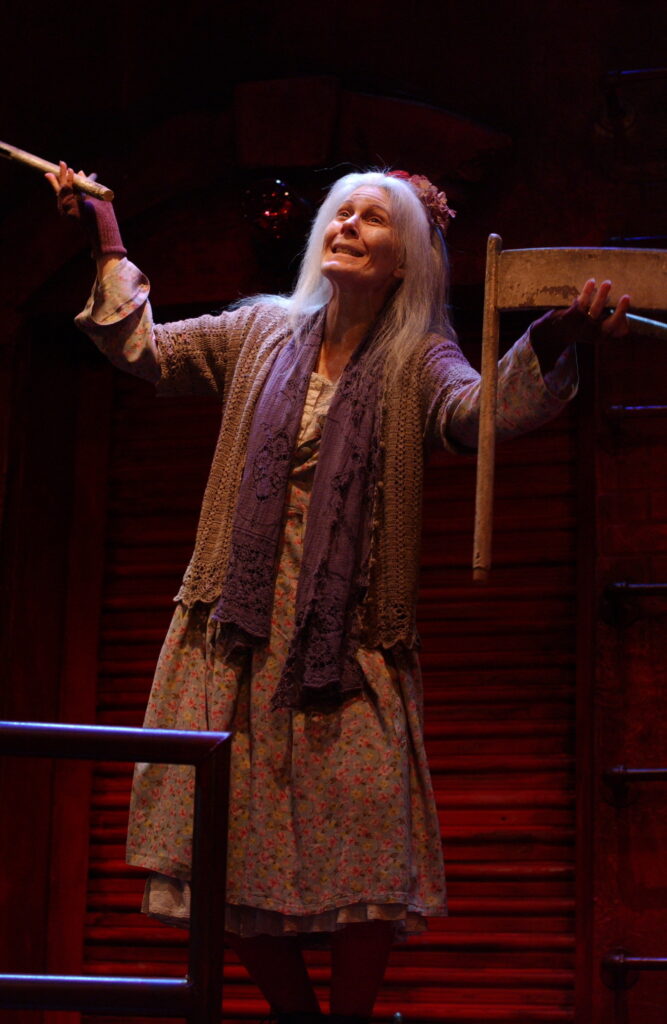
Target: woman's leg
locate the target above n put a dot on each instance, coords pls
(276, 965)
(359, 954)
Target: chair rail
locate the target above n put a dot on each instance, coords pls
(197, 996)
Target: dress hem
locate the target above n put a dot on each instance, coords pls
(168, 900)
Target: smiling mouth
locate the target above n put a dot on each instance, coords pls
(347, 249)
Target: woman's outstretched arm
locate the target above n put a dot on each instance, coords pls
(188, 357)
(536, 377)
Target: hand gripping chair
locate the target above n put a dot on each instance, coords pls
(539, 279)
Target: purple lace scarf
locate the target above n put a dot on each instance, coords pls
(321, 668)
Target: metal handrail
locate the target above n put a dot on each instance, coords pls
(619, 605)
(638, 411)
(621, 587)
(618, 778)
(622, 971)
(620, 775)
(198, 996)
(621, 961)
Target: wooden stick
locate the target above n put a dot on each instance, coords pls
(93, 188)
(486, 447)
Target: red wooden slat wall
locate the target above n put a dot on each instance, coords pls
(499, 688)
(629, 903)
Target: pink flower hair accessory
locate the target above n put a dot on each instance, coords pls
(434, 202)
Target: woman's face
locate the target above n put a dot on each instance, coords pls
(360, 248)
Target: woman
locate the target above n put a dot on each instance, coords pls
(295, 623)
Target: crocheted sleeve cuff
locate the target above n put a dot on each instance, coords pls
(526, 399)
(118, 318)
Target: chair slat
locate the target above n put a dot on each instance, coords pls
(537, 278)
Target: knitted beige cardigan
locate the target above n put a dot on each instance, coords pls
(434, 399)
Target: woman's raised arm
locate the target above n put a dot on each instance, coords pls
(96, 218)
(536, 377)
(183, 358)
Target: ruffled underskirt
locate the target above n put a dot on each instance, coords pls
(168, 900)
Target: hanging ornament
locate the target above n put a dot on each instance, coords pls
(275, 211)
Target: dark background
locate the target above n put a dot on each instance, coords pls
(93, 85)
(522, 111)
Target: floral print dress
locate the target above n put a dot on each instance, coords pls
(332, 816)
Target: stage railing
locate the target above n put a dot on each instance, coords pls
(621, 970)
(198, 995)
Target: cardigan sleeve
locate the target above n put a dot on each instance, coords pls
(188, 357)
(526, 399)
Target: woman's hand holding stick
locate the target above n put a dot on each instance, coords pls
(83, 183)
(97, 218)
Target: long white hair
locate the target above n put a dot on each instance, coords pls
(418, 306)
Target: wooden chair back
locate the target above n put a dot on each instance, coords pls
(541, 279)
